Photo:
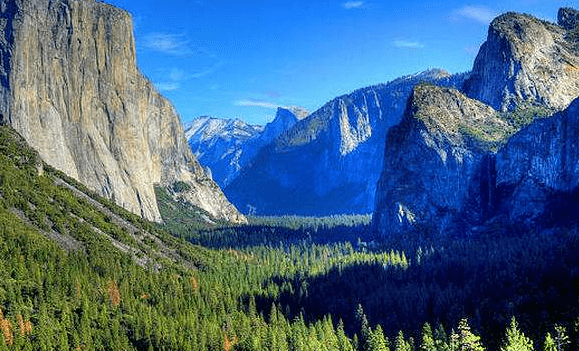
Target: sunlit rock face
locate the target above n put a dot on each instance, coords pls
(70, 85)
(330, 162)
(527, 61)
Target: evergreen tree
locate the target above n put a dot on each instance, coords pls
(549, 344)
(344, 343)
(427, 343)
(467, 340)
(561, 338)
(364, 328)
(440, 339)
(401, 343)
(516, 340)
(377, 341)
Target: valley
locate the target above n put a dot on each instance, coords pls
(434, 212)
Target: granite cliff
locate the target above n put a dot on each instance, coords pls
(439, 163)
(69, 84)
(527, 61)
(329, 162)
(499, 154)
(537, 172)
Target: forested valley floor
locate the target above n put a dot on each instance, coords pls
(80, 273)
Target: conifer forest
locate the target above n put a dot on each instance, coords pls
(80, 273)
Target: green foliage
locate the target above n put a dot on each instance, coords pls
(516, 340)
(524, 114)
(112, 281)
(549, 344)
(468, 341)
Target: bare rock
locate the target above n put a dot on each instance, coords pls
(70, 85)
(439, 164)
(526, 61)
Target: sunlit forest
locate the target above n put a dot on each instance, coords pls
(80, 273)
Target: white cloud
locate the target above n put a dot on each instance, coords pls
(407, 44)
(172, 44)
(481, 14)
(256, 103)
(353, 4)
(168, 86)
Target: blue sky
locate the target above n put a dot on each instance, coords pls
(243, 59)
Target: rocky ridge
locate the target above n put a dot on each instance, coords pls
(71, 87)
(456, 164)
(329, 162)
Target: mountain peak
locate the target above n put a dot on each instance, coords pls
(526, 61)
(568, 18)
(299, 112)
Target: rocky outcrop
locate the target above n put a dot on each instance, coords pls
(538, 170)
(226, 146)
(457, 165)
(329, 162)
(527, 61)
(439, 164)
(71, 87)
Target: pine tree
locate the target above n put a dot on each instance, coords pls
(561, 338)
(441, 339)
(377, 341)
(344, 343)
(364, 328)
(427, 343)
(467, 340)
(401, 343)
(549, 344)
(516, 340)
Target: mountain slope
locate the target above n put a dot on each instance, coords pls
(226, 146)
(329, 162)
(70, 85)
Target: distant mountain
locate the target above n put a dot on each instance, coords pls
(501, 157)
(329, 162)
(224, 146)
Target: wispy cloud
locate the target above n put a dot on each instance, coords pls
(257, 103)
(172, 44)
(407, 44)
(481, 14)
(168, 86)
(348, 5)
(208, 71)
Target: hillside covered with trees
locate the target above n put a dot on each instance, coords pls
(79, 272)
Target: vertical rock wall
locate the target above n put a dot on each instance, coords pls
(71, 87)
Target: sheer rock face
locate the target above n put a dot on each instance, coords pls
(457, 165)
(526, 61)
(538, 170)
(438, 164)
(330, 162)
(70, 85)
